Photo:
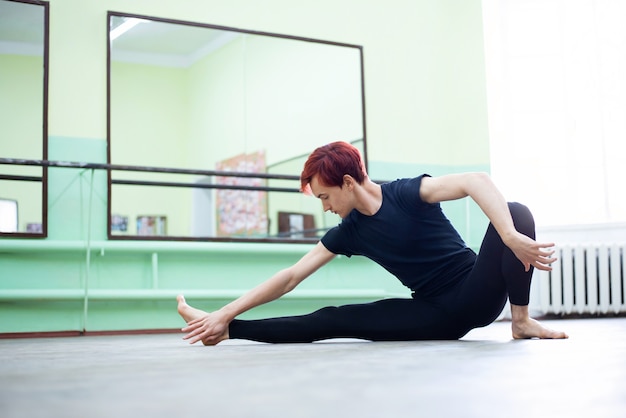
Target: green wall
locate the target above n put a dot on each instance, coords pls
(426, 111)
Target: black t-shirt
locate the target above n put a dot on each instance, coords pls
(410, 238)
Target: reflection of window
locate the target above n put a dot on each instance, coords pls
(8, 215)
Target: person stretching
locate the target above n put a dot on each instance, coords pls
(399, 225)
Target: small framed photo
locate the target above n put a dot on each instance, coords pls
(119, 223)
(34, 228)
(296, 225)
(151, 225)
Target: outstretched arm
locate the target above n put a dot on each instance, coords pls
(211, 327)
(483, 191)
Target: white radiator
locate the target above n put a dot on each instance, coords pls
(587, 279)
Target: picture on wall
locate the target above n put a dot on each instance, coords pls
(150, 225)
(119, 223)
(296, 225)
(242, 212)
(34, 228)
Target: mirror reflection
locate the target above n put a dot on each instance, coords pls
(208, 98)
(23, 27)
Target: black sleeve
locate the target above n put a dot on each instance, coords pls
(409, 192)
(336, 241)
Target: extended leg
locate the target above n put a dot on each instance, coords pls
(384, 320)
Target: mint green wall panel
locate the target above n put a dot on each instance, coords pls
(40, 316)
(74, 205)
(133, 315)
(33, 270)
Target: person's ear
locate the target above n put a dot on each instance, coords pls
(348, 181)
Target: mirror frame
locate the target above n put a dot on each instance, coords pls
(113, 167)
(44, 158)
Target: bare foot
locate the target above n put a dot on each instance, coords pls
(529, 328)
(525, 327)
(189, 313)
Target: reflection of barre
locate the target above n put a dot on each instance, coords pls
(117, 167)
(206, 186)
(148, 169)
(301, 232)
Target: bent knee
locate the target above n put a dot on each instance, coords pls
(522, 218)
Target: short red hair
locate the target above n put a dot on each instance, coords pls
(331, 162)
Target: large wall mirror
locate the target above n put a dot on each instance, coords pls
(222, 100)
(23, 117)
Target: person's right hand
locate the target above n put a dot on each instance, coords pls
(531, 253)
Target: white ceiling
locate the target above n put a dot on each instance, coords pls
(21, 28)
(154, 43)
(167, 44)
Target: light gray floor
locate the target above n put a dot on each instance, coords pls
(485, 374)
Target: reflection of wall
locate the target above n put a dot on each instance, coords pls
(21, 94)
(300, 95)
(148, 115)
(21, 110)
(276, 94)
(150, 128)
(216, 101)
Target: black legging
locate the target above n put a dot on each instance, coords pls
(475, 301)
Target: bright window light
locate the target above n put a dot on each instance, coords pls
(8, 215)
(557, 104)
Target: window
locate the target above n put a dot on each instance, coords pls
(557, 106)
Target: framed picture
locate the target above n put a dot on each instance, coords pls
(119, 223)
(34, 228)
(151, 225)
(242, 213)
(296, 225)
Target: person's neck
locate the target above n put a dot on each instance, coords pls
(369, 197)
